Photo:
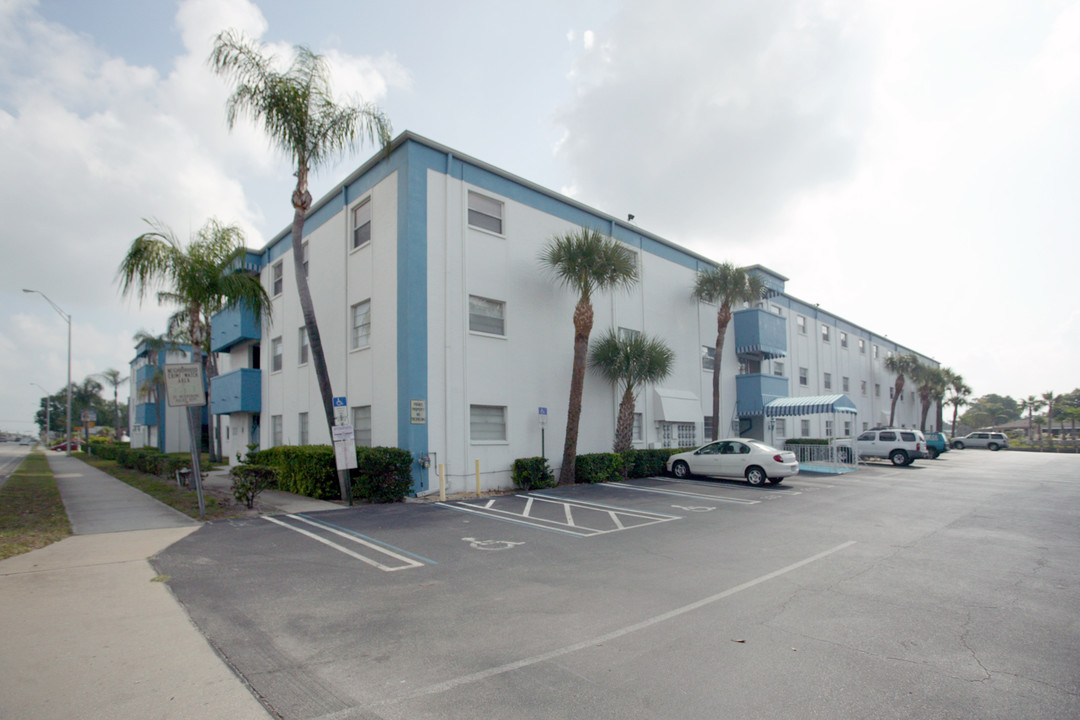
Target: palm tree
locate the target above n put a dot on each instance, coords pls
(1072, 414)
(150, 388)
(958, 395)
(1050, 398)
(901, 365)
(201, 278)
(113, 379)
(1031, 404)
(931, 382)
(725, 285)
(585, 261)
(298, 113)
(629, 362)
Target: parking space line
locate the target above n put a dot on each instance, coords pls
(571, 525)
(380, 543)
(699, 496)
(648, 514)
(487, 513)
(409, 563)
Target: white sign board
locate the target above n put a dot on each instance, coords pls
(341, 411)
(418, 412)
(184, 385)
(542, 414)
(344, 447)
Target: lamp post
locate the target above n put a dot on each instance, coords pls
(48, 416)
(67, 319)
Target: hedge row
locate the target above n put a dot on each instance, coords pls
(382, 474)
(145, 459)
(531, 473)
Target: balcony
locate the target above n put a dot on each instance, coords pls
(760, 334)
(239, 391)
(754, 391)
(146, 414)
(232, 326)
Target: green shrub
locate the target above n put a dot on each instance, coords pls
(382, 475)
(599, 467)
(533, 473)
(250, 480)
(646, 463)
(806, 441)
(307, 470)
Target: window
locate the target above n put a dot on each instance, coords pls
(781, 427)
(804, 428)
(361, 223)
(828, 381)
(361, 421)
(865, 425)
(708, 358)
(487, 316)
(707, 425)
(862, 386)
(845, 383)
(361, 324)
(804, 376)
(778, 310)
(305, 347)
(877, 389)
(279, 277)
(888, 354)
(487, 423)
(800, 322)
(626, 334)
(778, 368)
(824, 333)
(485, 213)
(687, 433)
(828, 428)
(678, 434)
(276, 356)
(875, 352)
(843, 339)
(303, 428)
(847, 428)
(862, 346)
(304, 257)
(276, 439)
(638, 428)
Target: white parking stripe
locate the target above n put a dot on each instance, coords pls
(700, 496)
(409, 562)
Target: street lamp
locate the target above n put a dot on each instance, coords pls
(67, 319)
(48, 416)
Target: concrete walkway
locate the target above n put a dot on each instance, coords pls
(86, 630)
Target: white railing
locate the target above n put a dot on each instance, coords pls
(839, 455)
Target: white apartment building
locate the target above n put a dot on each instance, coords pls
(448, 338)
(151, 422)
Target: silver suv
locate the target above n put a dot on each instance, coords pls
(988, 440)
(899, 445)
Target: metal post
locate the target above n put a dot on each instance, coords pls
(195, 473)
(442, 482)
(477, 477)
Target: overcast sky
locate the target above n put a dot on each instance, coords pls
(912, 167)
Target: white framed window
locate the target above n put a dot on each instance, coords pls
(875, 352)
(804, 428)
(804, 376)
(781, 427)
(305, 347)
(687, 433)
(847, 428)
(845, 383)
(828, 428)
(361, 422)
(485, 213)
(888, 354)
(828, 381)
(639, 431)
(277, 357)
(862, 386)
(626, 334)
(361, 224)
(778, 368)
(865, 426)
(862, 346)
(303, 421)
(778, 310)
(304, 257)
(825, 330)
(877, 389)
(278, 274)
(487, 315)
(487, 423)
(843, 339)
(708, 358)
(800, 322)
(277, 438)
(707, 426)
(361, 324)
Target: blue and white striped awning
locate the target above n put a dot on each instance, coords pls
(813, 405)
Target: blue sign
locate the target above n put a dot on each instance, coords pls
(340, 402)
(543, 411)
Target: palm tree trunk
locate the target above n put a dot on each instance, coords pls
(583, 322)
(898, 389)
(723, 317)
(925, 412)
(624, 427)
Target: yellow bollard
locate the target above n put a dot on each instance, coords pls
(478, 478)
(442, 482)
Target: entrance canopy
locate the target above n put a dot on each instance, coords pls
(813, 405)
(677, 406)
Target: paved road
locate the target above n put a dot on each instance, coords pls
(946, 589)
(11, 456)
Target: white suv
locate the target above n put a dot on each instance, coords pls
(899, 446)
(988, 440)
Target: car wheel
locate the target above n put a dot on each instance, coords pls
(755, 475)
(680, 469)
(898, 457)
(933, 453)
(776, 481)
(993, 446)
(958, 445)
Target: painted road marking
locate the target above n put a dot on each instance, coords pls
(490, 544)
(680, 493)
(580, 518)
(406, 561)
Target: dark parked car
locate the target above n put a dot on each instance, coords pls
(936, 443)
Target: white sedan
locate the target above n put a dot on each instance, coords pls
(736, 458)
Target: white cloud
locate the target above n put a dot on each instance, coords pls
(588, 39)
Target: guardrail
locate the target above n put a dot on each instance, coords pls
(839, 456)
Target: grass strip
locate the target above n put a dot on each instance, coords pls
(166, 490)
(32, 514)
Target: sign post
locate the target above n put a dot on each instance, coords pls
(344, 447)
(542, 414)
(184, 388)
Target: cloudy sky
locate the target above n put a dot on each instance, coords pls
(912, 167)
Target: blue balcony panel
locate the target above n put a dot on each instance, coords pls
(232, 326)
(143, 374)
(239, 391)
(145, 414)
(756, 390)
(760, 333)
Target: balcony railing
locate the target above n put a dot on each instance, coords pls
(239, 391)
(760, 333)
(756, 390)
(146, 414)
(232, 326)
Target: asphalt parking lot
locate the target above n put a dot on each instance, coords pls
(944, 589)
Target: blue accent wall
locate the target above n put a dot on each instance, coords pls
(232, 326)
(756, 390)
(239, 391)
(761, 331)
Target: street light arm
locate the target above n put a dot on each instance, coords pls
(67, 318)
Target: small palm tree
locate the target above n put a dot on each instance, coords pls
(586, 262)
(1031, 405)
(725, 285)
(297, 110)
(959, 392)
(629, 363)
(1050, 399)
(900, 365)
(114, 379)
(931, 383)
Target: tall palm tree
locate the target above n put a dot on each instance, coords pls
(959, 392)
(113, 379)
(725, 285)
(629, 363)
(200, 278)
(1031, 405)
(297, 110)
(931, 383)
(586, 262)
(900, 365)
(1050, 398)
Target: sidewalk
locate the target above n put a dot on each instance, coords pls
(86, 630)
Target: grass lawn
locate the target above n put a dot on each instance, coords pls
(31, 512)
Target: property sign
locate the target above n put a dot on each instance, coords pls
(89, 416)
(344, 447)
(184, 385)
(341, 411)
(542, 414)
(418, 412)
